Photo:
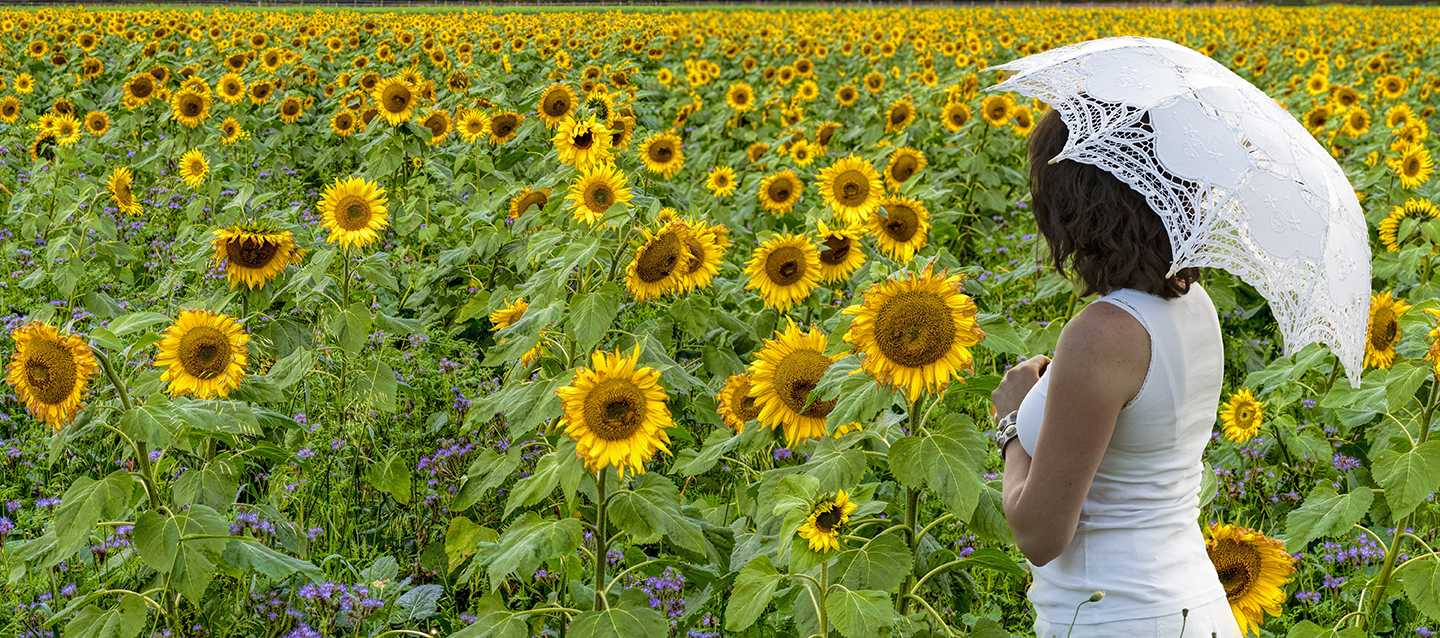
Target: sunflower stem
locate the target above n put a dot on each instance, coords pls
(602, 542)
(824, 588)
(344, 304)
(142, 454)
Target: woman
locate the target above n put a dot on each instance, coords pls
(1102, 480)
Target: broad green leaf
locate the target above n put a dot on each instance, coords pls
(591, 315)
(1325, 513)
(383, 569)
(858, 614)
(252, 556)
(157, 538)
(881, 563)
(125, 620)
(858, 398)
(352, 328)
(86, 503)
(1402, 382)
(754, 588)
(485, 474)
(377, 385)
(1285, 369)
(214, 485)
(631, 617)
(494, 621)
(795, 491)
(1370, 397)
(1408, 478)
(399, 326)
(988, 520)
(1422, 585)
(657, 500)
(1307, 629)
(528, 541)
(947, 459)
(417, 604)
(642, 518)
(690, 462)
(461, 538)
(993, 559)
(292, 368)
(1003, 336)
(135, 322)
(150, 422)
(536, 487)
(392, 476)
(835, 469)
(199, 549)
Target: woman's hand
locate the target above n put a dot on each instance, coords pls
(1017, 383)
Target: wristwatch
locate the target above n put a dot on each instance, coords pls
(1006, 430)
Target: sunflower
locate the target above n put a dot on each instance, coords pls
(827, 518)
(66, 130)
(1391, 86)
(1413, 167)
(852, 188)
(230, 131)
(722, 182)
(231, 88)
(190, 107)
(582, 143)
(473, 124)
(705, 257)
(874, 81)
(1317, 83)
(779, 192)
(520, 203)
(556, 104)
(193, 167)
(740, 97)
(507, 316)
(120, 180)
(659, 263)
(756, 151)
(138, 90)
(254, 256)
(782, 376)
(954, 116)
(662, 154)
(785, 269)
(901, 225)
(43, 148)
(97, 122)
(9, 109)
(396, 99)
(996, 109)
(905, 162)
(1357, 122)
(438, 121)
(204, 354)
(1399, 115)
(344, 122)
(900, 115)
(916, 332)
(803, 153)
(737, 407)
(1383, 331)
(622, 130)
(504, 125)
(50, 372)
(1242, 416)
(353, 211)
(616, 413)
(1389, 227)
(847, 95)
(1253, 569)
(840, 252)
(597, 189)
(1022, 120)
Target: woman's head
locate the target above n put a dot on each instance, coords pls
(1097, 225)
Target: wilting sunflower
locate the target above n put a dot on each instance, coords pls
(344, 122)
(582, 143)
(527, 198)
(1384, 329)
(705, 257)
(782, 376)
(996, 109)
(616, 413)
(737, 407)
(1253, 569)
(780, 192)
(438, 121)
(597, 189)
(954, 116)
(50, 372)
(190, 107)
(507, 316)
(254, 256)
(915, 332)
(193, 167)
(204, 354)
(740, 97)
(902, 226)
(785, 269)
(1413, 167)
(840, 252)
(722, 182)
(852, 188)
(97, 122)
(473, 124)
(1390, 226)
(662, 154)
(1242, 416)
(659, 263)
(900, 115)
(504, 125)
(905, 162)
(396, 99)
(353, 210)
(120, 180)
(827, 518)
(556, 103)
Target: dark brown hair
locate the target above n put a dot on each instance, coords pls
(1103, 228)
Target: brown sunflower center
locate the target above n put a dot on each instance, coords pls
(780, 191)
(249, 253)
(957, 117)
(1244, 415)
(204, 352)
(746, 408)
(615, 409)
(996, 112)
(290, 108)
(142, 88)
(395, 98)
(837, 250)
(662, 152)
(899, 114)
(914, 329)
(191, 106)
(344, 121)
(658, 260)
(598, 198)
(1383, 329)
(354, 213)
(904, 168)
(502, 125)
(50, 371)
(583, 141)
(1238, 566)
(851, 188)
(437, 125)
(557, 104)
(1412, 166)
(796, 376)
(827, 520)
(901, 223)
(785, 266)
(533, 199)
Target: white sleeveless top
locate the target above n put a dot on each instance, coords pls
(1138, 537)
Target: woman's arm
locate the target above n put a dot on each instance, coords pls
(1100, 363)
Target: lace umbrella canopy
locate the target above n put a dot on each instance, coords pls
(1239, 183)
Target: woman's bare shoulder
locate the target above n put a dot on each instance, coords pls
(1106, 341)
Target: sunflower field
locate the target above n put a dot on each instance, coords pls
(506, 324)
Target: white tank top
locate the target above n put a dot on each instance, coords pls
(1138, 537)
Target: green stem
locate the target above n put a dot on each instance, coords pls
(142, 453)
(344, 307)
(824, 589)
(602, 543)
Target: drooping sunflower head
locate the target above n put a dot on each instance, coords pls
(119, 186)
(783, 375)
(438, 121)
(852, 188)
(529, 197)
(616, 412)
(660, 262)
(722, 181)
(916, 332)
(705, 256)
(1422, 209)
(824, 525)
(1253, 569)
(785, 269)
(737, 407)
(203, 354)
(622, 131)
(662, 154)
(840, 252)
(190, 107)
(1242, 416)
(556, 103)
(582, 143)
(1384, 329)
(901, 225)
(507, 316)
(253, 255)
(779, 192)
(193, 167)
(905, 162)
(50, 372)
(354, 211)
(396, 100)
(504, 125)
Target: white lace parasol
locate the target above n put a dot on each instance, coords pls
(1238, 182)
